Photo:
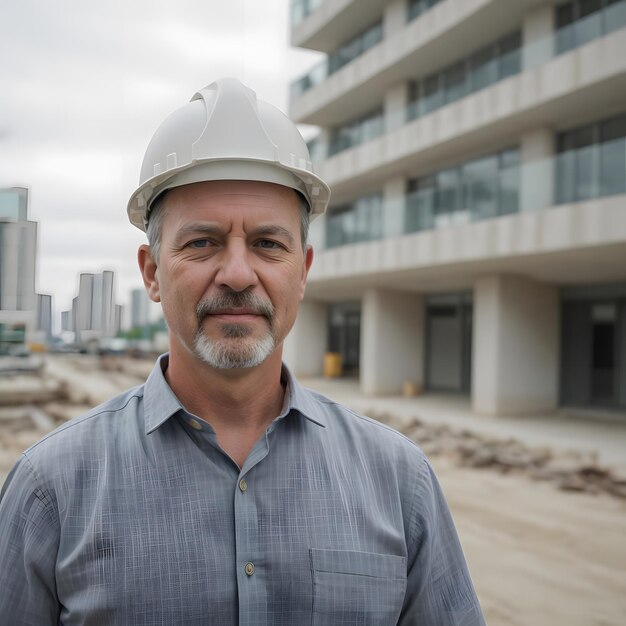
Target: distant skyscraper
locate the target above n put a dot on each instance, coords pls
(18, 250)
(44, 316)
(140, 308)
(94, 314)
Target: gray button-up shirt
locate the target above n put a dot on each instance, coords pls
(133, 514)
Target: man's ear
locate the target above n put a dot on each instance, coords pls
(308, 261)
(148, 268)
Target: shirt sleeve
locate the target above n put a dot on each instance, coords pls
(29, 540)
(439, 587)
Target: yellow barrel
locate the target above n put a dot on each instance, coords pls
(333, 365)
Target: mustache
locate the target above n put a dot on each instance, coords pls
(229, 299)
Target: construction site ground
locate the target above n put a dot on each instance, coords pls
(539, 501)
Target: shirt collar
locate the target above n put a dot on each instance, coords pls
(161, 403)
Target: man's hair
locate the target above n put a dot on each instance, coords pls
(157, 212)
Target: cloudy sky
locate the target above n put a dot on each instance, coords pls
(84, 84)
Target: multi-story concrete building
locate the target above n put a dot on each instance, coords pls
(476, 238)
(139, 308)
(18, 253)
(94, 314)
(44, 317)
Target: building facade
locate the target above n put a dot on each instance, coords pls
(94, 314)
(476, 238)
(139, 308)
(18, 254)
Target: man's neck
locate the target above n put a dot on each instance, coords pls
(239, 404)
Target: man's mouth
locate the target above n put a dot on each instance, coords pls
(236, 315)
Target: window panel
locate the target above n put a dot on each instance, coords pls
(614, 15)
(448, 192)
(509, 57)
(589, 24)
(586, 176)
(480, 179)
(483, 69)
(455, 82)
(613, 167)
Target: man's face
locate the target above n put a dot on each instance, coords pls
(231, 271)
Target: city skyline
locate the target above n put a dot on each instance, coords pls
(83, 96)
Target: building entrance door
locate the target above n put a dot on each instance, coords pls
(449, 343)
(593, 368)
(345, 334)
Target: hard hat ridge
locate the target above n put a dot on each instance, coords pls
(226, 133)
(225, 101)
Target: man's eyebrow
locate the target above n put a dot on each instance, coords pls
(197, 228)
(274, 230)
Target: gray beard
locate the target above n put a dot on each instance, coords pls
(233, 350)
(226, 354)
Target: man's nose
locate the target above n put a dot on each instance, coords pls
(235, 270)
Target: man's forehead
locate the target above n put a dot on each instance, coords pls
(233, 191)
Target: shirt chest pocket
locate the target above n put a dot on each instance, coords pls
(357, 587)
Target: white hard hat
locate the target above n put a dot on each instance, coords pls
(225, 133)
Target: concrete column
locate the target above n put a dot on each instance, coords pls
(392, 341)
(394, 203)
(537, 169)
(394, 17)
(515, 361)
(304, 347)
(537, 36)
(394, 108)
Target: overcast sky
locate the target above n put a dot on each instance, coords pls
(83, 86)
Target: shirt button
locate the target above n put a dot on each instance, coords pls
(195, 424)
(249, 569)
(243, 484)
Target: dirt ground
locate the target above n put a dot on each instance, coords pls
(538, 556)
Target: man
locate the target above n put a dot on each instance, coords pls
(221, 492)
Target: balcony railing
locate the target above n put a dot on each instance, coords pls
(508, 64)
(335, 61)
(563, 40)
(301, 9)
(587, 173)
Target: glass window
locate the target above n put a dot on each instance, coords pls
(564, 15)
(357, 132)
(355, 47)
(356, 222)
(588, 26)
(420, 204)
(565, 177)
(455, 83)
(447, 199)
(373, 36)
(584, 20)
(417, 7)
(614, 15)
(432, 94)
(613, 167)
(480, 179)
(509, 56)
(586, 172)
(508, 201)
(483, 69)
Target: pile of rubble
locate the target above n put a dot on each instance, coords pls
(569, 471)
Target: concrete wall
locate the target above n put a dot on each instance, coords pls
(492, 243)
(476, 121)
(305, 346)
(538, 169)
(392, 341)
(515, 360)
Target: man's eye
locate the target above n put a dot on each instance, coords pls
(268, 244)
(199, 243)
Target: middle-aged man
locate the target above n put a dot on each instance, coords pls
(220, 491)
